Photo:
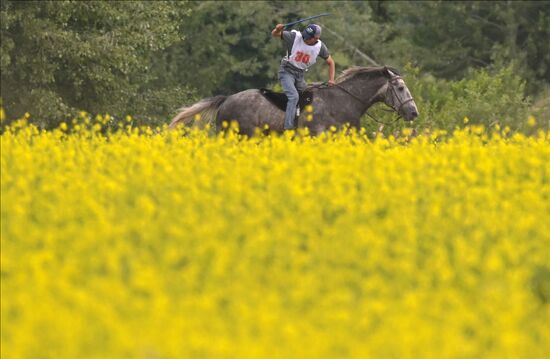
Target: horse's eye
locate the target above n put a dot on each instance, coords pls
(401, 88)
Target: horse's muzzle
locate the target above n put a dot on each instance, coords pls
(409, 111)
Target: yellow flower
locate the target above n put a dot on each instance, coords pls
(379, 238)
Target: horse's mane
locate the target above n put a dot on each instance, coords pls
(353, 71)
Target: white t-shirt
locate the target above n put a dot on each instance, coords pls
(303, 55)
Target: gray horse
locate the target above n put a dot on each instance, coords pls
(354, 92)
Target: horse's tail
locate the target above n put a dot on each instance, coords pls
(207, 108)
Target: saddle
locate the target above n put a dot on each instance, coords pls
(279, 99)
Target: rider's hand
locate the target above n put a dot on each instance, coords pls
(331, 82)
(279, 27)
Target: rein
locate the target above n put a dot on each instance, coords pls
(367, 112)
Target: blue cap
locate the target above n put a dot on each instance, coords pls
(310, 31)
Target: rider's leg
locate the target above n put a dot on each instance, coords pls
(300, 83)
(288, 81)
(301, 87)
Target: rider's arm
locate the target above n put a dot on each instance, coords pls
(278, 30)
(331, 70)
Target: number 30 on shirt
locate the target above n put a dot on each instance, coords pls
(301, 57)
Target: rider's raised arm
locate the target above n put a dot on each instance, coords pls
(278, 30)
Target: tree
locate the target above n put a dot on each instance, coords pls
(449, 38)
(61, 57)
(227, 48)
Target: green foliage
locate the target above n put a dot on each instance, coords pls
(449, 38)
(485, 98)
(61, 57)
(225, 50)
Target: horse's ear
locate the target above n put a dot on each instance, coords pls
(390, 72)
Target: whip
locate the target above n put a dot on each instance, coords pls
(302, 20)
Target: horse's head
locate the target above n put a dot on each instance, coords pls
(399, 97)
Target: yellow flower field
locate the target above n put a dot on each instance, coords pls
(163, 244)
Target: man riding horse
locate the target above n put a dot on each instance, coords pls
(342, 102)
(302, 51)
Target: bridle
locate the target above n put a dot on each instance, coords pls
(392, 82)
